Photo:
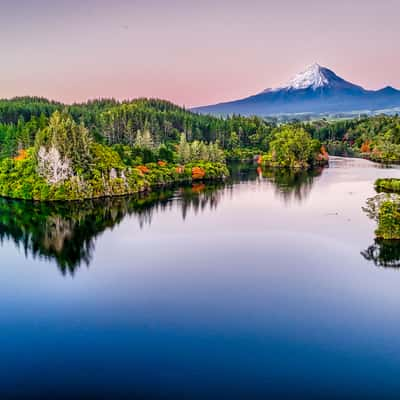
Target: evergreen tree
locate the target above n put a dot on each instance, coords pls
(71, 140)
(184, 153)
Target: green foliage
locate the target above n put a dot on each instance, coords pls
(151, 122)
(66, 164)
(385, 209)
(242, 154)
(198, 151)
(26, 108)
(20, 135)
(166, 153)
(292, 147)
(108, 176)
(144, 140)
(114, 122)
(340, 148)
(19, 179)
(388, 185)
(73, 141)
(377, 138)
(389, 220)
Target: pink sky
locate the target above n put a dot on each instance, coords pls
(191, 52)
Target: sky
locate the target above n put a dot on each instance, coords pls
(190, 52)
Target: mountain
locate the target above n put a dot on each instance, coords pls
(316, 90)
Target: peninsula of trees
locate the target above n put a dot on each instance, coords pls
(51, 151)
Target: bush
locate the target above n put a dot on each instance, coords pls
(388, 185)
(293, 147)
(389, 220)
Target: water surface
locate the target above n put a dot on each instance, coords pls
(269, 285)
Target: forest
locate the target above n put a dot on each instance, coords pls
(105, 147)
(112, 122)
(54, 152)
(376, 138)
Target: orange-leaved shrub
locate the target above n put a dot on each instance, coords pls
(365, 147)
(22, 155)
(143, 169)
(198, 173)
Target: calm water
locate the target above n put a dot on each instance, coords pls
(270, 285)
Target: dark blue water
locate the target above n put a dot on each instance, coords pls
(269, 286)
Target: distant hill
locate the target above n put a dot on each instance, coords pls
(315, 90)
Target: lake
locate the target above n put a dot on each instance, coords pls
(269, 285)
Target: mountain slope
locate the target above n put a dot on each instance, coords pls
(315, 90)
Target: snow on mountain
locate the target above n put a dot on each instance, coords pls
(314, 77)
(315, 90)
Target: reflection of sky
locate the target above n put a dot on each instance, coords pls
(255, 295)
(190, 52)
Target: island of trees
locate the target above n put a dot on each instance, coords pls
(384, 208)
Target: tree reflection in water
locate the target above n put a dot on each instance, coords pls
(66, 232)
(384, 253)
(291, 185)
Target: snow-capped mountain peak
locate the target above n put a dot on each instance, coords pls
(315, 90)
(313, 77)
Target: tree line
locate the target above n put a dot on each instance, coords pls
(152, 124)
(124, 123)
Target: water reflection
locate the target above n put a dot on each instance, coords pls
(66, 232)
(383, 253)
(200, 197)
(291, 185)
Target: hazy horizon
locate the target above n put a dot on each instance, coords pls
(190, 53)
